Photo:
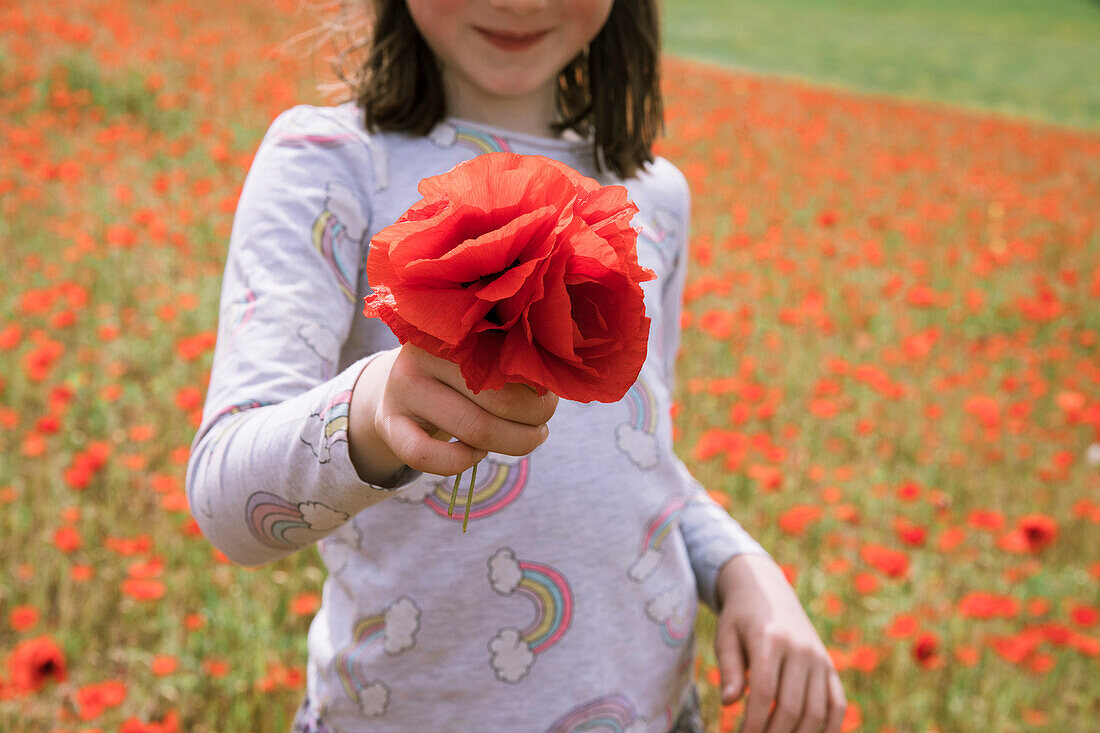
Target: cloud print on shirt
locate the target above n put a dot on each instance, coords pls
(513, 651)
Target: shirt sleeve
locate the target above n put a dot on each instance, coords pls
(270, 471)
(711, 535)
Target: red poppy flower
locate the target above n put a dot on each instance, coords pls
(925, 650)
(891, 562)
(23, 618)
(35, 662)
(94, 699)
(979, 604)
(519, 270)
(1038, 530)
(170, 724)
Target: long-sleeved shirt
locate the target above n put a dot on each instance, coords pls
(572, 598)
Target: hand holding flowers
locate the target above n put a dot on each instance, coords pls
(407, 405)
(520, 271)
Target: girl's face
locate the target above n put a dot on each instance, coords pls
(500, 59)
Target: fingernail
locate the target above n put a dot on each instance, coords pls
(544, 433)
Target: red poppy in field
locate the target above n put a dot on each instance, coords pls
(23, 618)
(903, 625)
(67, 539)
(216, 668)
(891, 562)
(519, 270)
(865, 583)
(1038, 529)
(797, 518)
(926, 650)
(1084, 615)
(1033, 533)
(988, 605)
(35, 662)
(985, 519)
(143, 589)
(169, 724)
(305, 604)
(94, 699)
(128, 546)
(909, 532)
(164, 664)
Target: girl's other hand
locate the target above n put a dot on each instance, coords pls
(407, 405)
(762, 628)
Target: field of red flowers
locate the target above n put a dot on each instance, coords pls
(890, 375)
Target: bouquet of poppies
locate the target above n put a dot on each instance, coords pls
(519, 270)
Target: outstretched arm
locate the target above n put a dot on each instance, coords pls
(292, 445)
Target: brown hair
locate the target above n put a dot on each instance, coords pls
(609, 93)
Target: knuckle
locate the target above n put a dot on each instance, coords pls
(802, 651)
(816, 711)
(408, 453)
(476, 430)
(766, 692)
(505, 402)
(789, 709)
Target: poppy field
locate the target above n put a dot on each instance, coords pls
(890, 375)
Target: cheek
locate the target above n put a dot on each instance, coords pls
(435, 18)
(591, 15)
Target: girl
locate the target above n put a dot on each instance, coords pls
(570, 603)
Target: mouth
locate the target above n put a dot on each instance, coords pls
(511, 40)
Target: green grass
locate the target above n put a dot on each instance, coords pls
(1036, 58)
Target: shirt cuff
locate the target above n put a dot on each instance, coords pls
(713, 537)
(339, 405)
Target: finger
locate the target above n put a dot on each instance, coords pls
(816, 708)
(516, 402)
(456, 415)
(838, 704)
(412, 445)
(791, 699)
(731, 662)
(762, 690)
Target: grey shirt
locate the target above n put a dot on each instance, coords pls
(572, 598)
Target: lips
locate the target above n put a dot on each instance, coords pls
(511, 40)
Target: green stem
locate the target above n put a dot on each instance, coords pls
(469, 498)
(454, 494)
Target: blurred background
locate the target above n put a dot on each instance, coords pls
(890, 371)
(1035, 58)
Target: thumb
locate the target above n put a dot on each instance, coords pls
(731, 662)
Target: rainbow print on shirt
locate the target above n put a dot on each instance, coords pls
(328, 426)
(283, 525)
(674, 613)
(612, 713)
(338, 234)
(513, 651)
(394, 630)
(637, 437)
(656, 532)
(500, 481)
(450, 134)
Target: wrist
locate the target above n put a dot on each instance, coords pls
(371, 456)
(739, 568)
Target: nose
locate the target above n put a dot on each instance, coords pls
(518, 6)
